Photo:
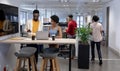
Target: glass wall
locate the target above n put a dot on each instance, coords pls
(80, 20)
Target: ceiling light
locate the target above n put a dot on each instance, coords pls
(65, 5)
(96, 0)
(63, 0)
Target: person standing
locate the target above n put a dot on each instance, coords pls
(72, 25)
(32, 26)
(96, 33)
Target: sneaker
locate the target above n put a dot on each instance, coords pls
(100, 63)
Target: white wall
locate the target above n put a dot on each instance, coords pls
(7, 57)
(9, 2)
(114, 25)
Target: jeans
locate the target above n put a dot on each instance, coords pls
(98, 50)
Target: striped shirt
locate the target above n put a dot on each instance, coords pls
(96, 31)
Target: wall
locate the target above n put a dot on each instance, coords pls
(9, 2)
(7, 57)
(114, 25)
(117, 22)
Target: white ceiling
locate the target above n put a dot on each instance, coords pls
(63, 8)
(72, 6)
(56, 4)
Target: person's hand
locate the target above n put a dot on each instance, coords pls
(65, 29)
(33, 34)
(90, 33)
(29, 30)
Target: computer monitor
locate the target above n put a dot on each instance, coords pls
(8, 20)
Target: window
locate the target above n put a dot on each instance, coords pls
(80, 20)
(23, 17)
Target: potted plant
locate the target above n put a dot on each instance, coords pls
(83, 34)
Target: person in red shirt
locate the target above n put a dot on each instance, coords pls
(72, 25)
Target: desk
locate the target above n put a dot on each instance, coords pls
(20, 40)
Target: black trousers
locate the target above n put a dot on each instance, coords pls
(98, 49)
(73, 46)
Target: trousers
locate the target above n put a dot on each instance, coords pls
(98, 49)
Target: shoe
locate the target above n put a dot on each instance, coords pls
(92, 59)
(100, 63)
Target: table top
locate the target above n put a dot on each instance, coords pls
(30, 41)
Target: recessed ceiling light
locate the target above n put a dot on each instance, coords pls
(63, 0)
(96, 0)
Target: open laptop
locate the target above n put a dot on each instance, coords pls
(42, 35)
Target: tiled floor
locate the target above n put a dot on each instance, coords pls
(111, 62)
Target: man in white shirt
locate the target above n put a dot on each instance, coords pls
(97, 30)
(31, 27)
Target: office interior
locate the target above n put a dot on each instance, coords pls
(82, 10)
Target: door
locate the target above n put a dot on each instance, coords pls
(107, 25)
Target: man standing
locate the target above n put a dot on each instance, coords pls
(32, 26)
(72, 25)
(97, 30)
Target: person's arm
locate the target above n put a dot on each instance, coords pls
(90, 26)
(48, 31)
(68, 30)
(101, 29)
(27, 27)
(59, 33)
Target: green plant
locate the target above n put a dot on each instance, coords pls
(83, 33)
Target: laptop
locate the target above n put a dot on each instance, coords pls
(42, 35)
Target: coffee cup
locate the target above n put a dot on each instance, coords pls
(53, 37)
(33, 37)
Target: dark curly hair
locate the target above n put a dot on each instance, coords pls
(36, 11)
(55, 18)
(95, 18)
(70, 16)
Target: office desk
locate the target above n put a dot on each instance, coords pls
(19, 40)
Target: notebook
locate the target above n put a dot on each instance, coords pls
(42, 35)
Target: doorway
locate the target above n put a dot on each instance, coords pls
(107, 25)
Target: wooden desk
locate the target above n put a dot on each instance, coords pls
(25, 40)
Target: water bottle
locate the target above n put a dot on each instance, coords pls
(6, 68)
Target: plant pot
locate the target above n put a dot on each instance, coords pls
(83, 56)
